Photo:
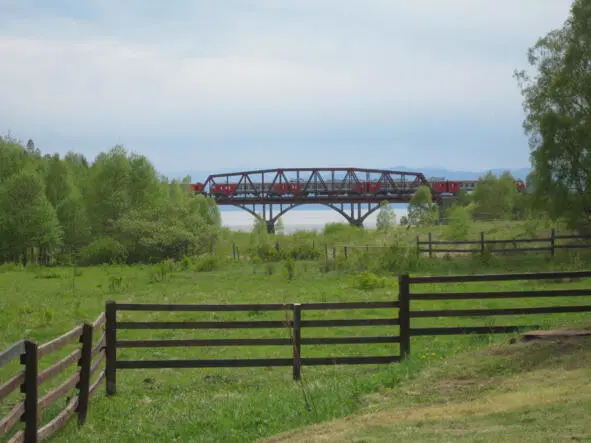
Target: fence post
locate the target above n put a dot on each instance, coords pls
(297, 317)
(234, 250)
(334, 253)
(84, 363)
(404, 314)
(237, 253)
(346, 255)
(482, 243)
(430, 246)
(326, 255)
(30, 389)
(553, 242)
(418, 246)
(111, 347)
(277, 245)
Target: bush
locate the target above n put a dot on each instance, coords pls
(303, 251)
(207, 263)
(368, 280)
(101, 251)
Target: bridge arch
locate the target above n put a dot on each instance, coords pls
(270, 219)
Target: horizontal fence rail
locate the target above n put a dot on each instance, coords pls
(30, 378)
(294, 324)
(407, 281)
(485, 245)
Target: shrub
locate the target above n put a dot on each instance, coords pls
(368, 280)
(303, 251)
(289, 266)
(207, 263)
(103, 250)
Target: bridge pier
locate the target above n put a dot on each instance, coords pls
(270, 226)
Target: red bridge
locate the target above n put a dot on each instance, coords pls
(343, 189)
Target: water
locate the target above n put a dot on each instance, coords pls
(298, 219)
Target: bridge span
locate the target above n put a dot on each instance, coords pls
(355, 193)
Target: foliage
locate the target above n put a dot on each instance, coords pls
(51, 207)
(207, 263)
(421, 209)
(103, 250)
(367, 280)
(459, 222)
(495, 197)
(386, 219)
(557, 103)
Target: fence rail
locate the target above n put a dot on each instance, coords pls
(30, 378)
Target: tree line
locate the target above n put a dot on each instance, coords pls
(54, 209)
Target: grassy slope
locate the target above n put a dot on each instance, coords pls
(526, 392)
(238, 404)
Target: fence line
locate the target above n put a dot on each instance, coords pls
(30, 378)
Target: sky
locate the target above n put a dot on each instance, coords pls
(248, 84)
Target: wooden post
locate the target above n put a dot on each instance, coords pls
(111, 347)
(418, 246)
(237, 253)
(297, 336)
(234, 250)
(553, 242)
(84, 363)
(334, 253)
(404, 314)
(482, 243)
(345, 250)
(30, 389)
(277, 245)
(430, 246)
(326, 256)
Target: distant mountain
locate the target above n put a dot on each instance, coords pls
(200, 176)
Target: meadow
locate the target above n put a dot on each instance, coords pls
(245, 404)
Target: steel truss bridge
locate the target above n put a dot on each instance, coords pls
(352, 192)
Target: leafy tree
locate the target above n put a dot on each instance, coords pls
(279, 226)
(58, 181)
(495, 198)
(421, 209)
(404, 220)
(459, 222)
(71, 213)
(386, 219)
(28, 219)
(557, 103)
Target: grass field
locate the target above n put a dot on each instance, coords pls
(245, 404)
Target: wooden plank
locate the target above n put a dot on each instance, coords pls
(12, 418)
(100, 321)
(48, 399)
(203, 342)
(11, 385)
(468, 330)
(202, 324)
(348, 340)
(317, 361)
(97, 363)
(222, 363)
(572, 237)
(56, 368)
(100, 344)
(499, 277)
(504, 311)
(60, 342)
(352, 322)
(447, 242)
(501, 294)
(95, 385)
(19, 437)
(11, 353)
(59, 421)
(541, 248)
(202, 308)
(555, 333)
(349, 305)
(575, 246)
(449, 251)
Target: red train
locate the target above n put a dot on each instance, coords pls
(339, 187)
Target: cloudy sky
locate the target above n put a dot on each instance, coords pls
(234, 84)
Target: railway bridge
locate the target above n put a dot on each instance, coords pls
(355, 193)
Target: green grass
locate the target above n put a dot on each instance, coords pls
(525, 392)
(247, 403)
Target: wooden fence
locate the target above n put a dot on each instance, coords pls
(88, 357)
(294, 323)
(509, 245)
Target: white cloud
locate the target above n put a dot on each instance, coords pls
(261, 66)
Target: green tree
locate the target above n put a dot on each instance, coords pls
(386, 219)
(495, 198)
(557, 103)
(28, 220)
(421, 209)
(71, 213)
(459, 222)
(58, 181)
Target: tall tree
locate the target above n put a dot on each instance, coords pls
(557, 103)
(421, 210)
(495, 198)
(386, 219)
